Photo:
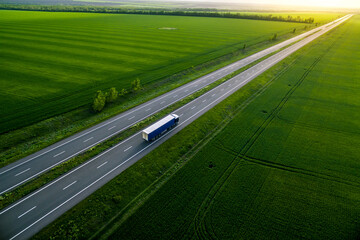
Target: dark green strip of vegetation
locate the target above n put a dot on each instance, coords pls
(188, 12)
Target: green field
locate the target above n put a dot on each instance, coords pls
(287, 167)
(51, 63)
(259, 177)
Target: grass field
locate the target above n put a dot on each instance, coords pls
(225, 191)
(54, 62)
(287, 167)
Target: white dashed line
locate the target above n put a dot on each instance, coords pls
(88, 139)
(112, 128)
(22, 172)
(204, 100)
(102, 165)
(69, 185)
(131, 117)
(213, 95)
(193, 107)
(27, 212)
(162, 102)
(147, 109)
(175, 96)
(181, 115)
(186, 90)
(59, 154)
(127, 148)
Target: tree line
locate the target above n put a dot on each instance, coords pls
(185, 12)
(102, 98)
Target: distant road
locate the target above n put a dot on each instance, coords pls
(29, 215)
(29, 167)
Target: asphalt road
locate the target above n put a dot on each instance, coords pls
(30, 214)
(33, 165)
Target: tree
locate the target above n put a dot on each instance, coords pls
(123, 92)
(274, 37)
(136, 85)
(99, 101)
(112, 95)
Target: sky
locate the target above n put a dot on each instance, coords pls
(308, 3)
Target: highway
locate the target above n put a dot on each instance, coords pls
(30, 214)
(21, 171)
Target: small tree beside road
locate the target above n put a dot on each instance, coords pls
(136, 85)
(112, 95)
(99, 101)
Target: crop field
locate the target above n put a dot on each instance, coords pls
(286, 167)
(319, 17)
(51, 63)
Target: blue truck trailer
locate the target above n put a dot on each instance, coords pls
(161, 126)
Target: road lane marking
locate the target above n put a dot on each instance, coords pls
(88, 139)
(213, 95)
(196, 85)
(186, 90)
(111, 128)
(131, 117)
(175, 96)
(204, 100)
(102, 165)
(162, 102)
(181, 115)
(193, 107)
(27, 212)
(58, 154)
(222, 89)
(69, 185)
(147, 109)
(127, 148)
(22, 172)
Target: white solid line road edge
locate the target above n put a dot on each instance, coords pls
(232, 65)
(240, 85)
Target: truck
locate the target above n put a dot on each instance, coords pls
(157, 129)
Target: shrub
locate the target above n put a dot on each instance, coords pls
(112, 95)
(99, 101)
(136, 85)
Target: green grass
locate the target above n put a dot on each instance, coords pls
(286, 167)
(52, 63)
(111, 205)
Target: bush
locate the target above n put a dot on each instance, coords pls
(112, 95)
(136, 85)
(123, 92)
(99, 101)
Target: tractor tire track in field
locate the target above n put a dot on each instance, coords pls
(199, 224)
